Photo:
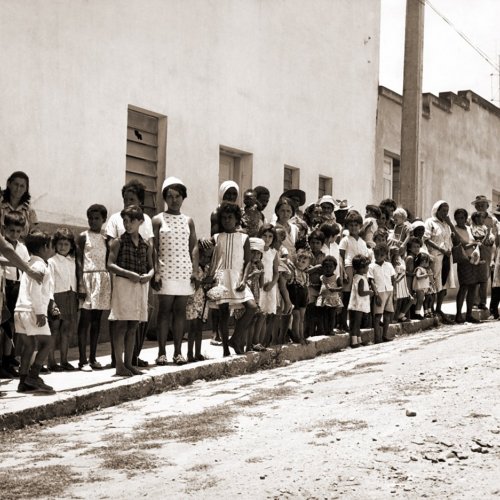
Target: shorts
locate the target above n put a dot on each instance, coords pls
(297, 294)
(25, 322)
(387, 304)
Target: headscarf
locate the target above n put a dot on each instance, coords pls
(436, 206)
(225, 186)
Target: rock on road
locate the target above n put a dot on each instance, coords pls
(417, 417)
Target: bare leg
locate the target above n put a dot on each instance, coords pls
(83, 328)
(376, 328)
(387, 321)
(243, 324)
(355, 327)
(130, 336)
(119, 333)
(224, 327)
(95, 330)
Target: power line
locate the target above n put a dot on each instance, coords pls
(463, 36)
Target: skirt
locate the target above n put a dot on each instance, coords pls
(67, 303)
(129, 300)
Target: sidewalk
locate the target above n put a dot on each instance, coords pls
(79, 392)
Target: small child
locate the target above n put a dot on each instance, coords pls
(251, 220)
(350, 246)
(197, 307)
(298, 290)
(231, 256)
(402, 296)
(412, 251)
(482, 236)
(312, 319)
(269, 293)
(94, 284)
(370, 225)
(359, 302)
(14, 226)
(422, 285)
(329, 301)
(402, 230)
(131, 261)
(253, 277)
(30, 315)
(63, 271)
(381, 276)
(284, 269)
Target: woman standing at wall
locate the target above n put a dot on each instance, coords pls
(16, 197)
(176, 269)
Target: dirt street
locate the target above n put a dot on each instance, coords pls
(417, 417)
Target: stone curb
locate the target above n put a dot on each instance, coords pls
(85, 400)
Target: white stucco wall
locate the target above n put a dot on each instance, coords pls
(460, 149)
(292, 82)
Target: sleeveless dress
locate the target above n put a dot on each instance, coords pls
(96, 279)
(268, 300)
(175, 260)
(229, 262)
(401, 288)
(356, 302)
(326, 297)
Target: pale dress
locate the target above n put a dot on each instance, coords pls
(96, 279)
(357, 302)
(268, 299)
(401, 288)
(229, 261)
(175, 266)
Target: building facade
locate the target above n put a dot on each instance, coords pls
(459, 149)
(279, 93)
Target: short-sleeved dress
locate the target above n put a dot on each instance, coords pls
(175, 266)
(327, 297)
(96, 279)
(358, 302)
(268, 299)
(229, 259)
(401, 288)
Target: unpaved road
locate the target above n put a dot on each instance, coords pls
(333, 427)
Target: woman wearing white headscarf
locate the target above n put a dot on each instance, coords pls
(177, 264)
(438, 230)
(228, 191)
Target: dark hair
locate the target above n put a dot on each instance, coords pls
(460, 211)
(353, 216)
(413, 241)
(388, 202)
(384, 211)
(132, 212)
(359, 262)
(14, 219)
(316, 235)
(475, 215)
(306, 252)
(180, 188)
(329, 229)
(374, 210)
(420, 257)
(380, 249)
(137, 187)
(330, 258)
(284, 201)
(36, 240)
(98, 208)
(261, 190)
(26, 197)
(269, 228)
(64, 233)
(227, 207)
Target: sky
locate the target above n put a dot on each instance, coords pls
(450, 64)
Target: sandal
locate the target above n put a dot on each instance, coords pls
(161, 360)
(179, 360)
(215, 342)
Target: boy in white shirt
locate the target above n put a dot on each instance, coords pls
(381, 276)
(30, 315)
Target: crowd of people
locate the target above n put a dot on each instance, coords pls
(315, 269)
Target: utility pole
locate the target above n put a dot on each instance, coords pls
(412, 105)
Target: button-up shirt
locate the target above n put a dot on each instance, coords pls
(63, 271)
(381, 274)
